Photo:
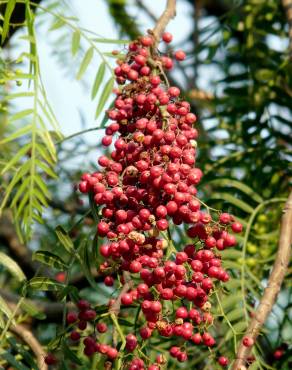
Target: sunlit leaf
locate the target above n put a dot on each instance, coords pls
(8, 12)
(50, 259)
(98, 80)
(85, 63)
(40, 283)
(64, 238)
(12, 266)
(104, 96)
(75, 42)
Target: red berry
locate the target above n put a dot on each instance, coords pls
(174, 351)
(83, 305)
(247, 341)
(223, 361)
(180, 55)
(72, 317)
(112, 353)
(146, 40)
(181, 313)
(101, 327)
(127, 299)
(107, 140)
(278, 354)
(167, 37)
(50, 359)
(236, 227)
(102, 228)
(162, 224)
(75, 336)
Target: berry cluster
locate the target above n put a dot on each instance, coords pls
(146, 189)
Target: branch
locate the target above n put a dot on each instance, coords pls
(32, 342)
(287, 5)
(274, 285)
(164, 19)
(116, 306)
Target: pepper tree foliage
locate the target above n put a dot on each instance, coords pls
(244, 152)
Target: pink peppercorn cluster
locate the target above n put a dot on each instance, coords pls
(145, 188)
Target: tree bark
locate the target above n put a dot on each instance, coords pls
(273, 287)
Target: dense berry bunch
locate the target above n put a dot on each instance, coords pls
(145, 189)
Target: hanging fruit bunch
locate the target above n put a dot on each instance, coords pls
(146, 190)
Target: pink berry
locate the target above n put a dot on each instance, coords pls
(180, 55)
(167, 37)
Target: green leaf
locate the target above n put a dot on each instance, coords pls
(234, 201)
(20, 191)
(50, 259)
(125, 322)
(46, 169)
(40, 283)
(70, 354)
(111, 41)
(85, 62)
(21, 114)
(16, 157)
(232, 265)
(12, 266)
(232, 254)
(98, 80)
(64, 238)
(85, 263)
(41, 184)
(8, 12)
(232, 284)
(27, 358)
(238, 185)
(25, 94)
(239, 328)
(58, 24)
(30, 308)
(231, 302)
(16, 178)
(12, 361)
(75, 42)
(104, 97)
(4, 308)
(254, 366)
(235, 314)
(16, 134)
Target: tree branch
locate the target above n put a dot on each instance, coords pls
(32, 342)
(116, 306)
(164, 19)
(274, 285)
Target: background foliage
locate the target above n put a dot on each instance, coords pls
(244, 121)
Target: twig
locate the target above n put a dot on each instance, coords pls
(116, 306)
(32, 342)
(274, 284)
(287, 4)
(164, 19)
